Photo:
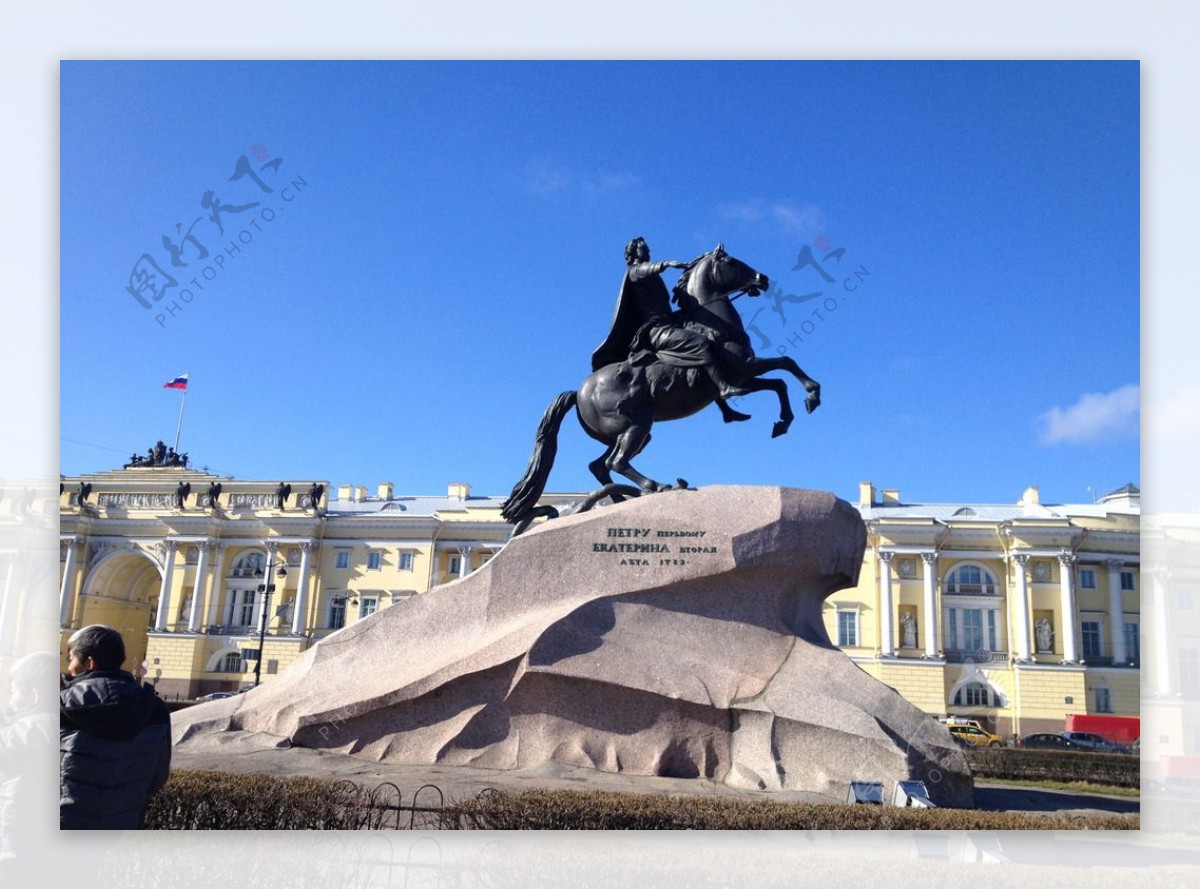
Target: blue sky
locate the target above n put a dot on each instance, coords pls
(449, 246)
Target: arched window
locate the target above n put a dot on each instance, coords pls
(978, 693)
(232, 663)
(973, 695)
(971, 580)
(974, 620)
(246, 565)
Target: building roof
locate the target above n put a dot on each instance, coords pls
(991, 512)
(416, 505)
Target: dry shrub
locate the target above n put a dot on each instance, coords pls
(239, 801)
(597, 810)
(213, 800)
(1121, 770)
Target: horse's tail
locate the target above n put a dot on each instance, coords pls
(525, 493)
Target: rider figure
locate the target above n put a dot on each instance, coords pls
(644, 328)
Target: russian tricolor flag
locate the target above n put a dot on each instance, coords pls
(179, 382)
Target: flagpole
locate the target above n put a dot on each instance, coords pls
(179, 426)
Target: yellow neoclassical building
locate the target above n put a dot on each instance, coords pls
(1016, 614)
(195, 569)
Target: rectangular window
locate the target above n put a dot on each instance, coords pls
(337, 613)
(405, 561)
(977, 695)
(455, 565)
(374, 559)
(341, 559)
(972, 629)
(246, 609)
(1104, 700)
(1087, 579)
(369, 605)
(1133, 643)
(1127, 582)
(1090, 631)
(1189, 673)
(951, 629)
(847, 628)
(991, 630)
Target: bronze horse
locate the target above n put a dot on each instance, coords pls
(619, 403)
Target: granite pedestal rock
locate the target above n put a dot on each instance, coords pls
(679, 634)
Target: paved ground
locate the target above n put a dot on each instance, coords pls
(249, 753)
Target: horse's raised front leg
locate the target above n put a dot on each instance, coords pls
(787, 363)
(759, 384)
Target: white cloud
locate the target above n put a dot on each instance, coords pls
(797, 220)
(1096, 417)
(544, 176)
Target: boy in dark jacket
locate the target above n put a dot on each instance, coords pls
(114, 737)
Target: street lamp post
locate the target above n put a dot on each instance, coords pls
(266, 588)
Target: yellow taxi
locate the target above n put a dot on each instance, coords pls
(974, 735)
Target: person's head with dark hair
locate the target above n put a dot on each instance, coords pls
(95, 648)
(29, 679)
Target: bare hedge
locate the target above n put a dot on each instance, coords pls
(197, 799)
(1121, 770)
(214, 800)
(595, 810)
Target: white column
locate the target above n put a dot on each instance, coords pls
(10, 605)
(260, 597)
(464, 561)
(300, 613)
(214, 600)
(1158, 636)
(198, 593)
(164, 592)
(1066, 583)
(1116, 612)
(66, 593)
(1024, 649)
(931, 615)
(887, 636)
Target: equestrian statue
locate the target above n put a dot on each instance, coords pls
(658, 364)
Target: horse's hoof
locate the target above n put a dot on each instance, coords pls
(681, 484)
(811, 403)
(779, 429)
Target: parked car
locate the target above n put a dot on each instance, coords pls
(1092, 742)
(961, 721)
(213, 696)
(1051, 740)
(973, 735)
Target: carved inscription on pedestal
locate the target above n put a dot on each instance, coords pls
(655, 547)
